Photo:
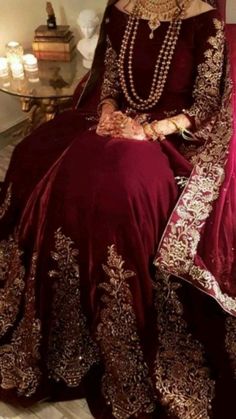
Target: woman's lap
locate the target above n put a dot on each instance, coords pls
(94, 221)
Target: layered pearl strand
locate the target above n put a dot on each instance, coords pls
(162, 66)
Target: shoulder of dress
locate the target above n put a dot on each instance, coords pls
(198, 8)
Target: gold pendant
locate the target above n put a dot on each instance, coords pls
(153, 25)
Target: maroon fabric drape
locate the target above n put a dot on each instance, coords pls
(77, 281)
(222, 7)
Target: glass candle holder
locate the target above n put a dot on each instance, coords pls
(14, 51)
(30, 63)
(4, 69)
(17, 70)
(31, 68)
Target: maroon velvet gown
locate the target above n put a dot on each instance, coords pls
(81, 312)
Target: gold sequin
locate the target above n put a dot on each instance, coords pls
(71, 349)
(206, 92)
(178, 248)
(12, 283)
(111, 85)
(182, 377)
(126, 384)
(19, 358)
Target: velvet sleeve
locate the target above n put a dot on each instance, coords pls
(110, 86)
(210, 47)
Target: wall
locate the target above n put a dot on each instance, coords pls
(231, 11)
(19, 18)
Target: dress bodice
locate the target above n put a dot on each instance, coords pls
(189, 52)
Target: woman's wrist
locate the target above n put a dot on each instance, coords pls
(152, 133)
(107, 106)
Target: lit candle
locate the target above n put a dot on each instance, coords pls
(30, 62)
(17, 70)
(4, 70)
(14, 51)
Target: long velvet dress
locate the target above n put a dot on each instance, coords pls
(82, 313)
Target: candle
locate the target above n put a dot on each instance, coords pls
(14, 51)
(4, 70)
(30, 62)
(17, 70)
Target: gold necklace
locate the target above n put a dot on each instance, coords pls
(162, 66)
(156, 11)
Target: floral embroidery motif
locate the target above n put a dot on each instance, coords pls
(182, 377)
(111, 85)
(206, 93)
(230, 340)
(178, 248)
(19, 358)
(11, 282)
(7, 201)
(71, 349)
(126, 384)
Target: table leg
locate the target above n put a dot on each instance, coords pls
(49, 107)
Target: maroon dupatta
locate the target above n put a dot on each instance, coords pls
(199, 242)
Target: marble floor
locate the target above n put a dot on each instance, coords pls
(77, 409)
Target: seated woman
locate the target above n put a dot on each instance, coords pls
(116, 232)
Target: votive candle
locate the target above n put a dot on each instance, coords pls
(30, 62)
(14, 51)
(4, 69)
(17, 70)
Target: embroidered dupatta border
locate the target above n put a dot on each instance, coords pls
(177, 253)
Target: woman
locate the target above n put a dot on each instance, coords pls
(87, 207)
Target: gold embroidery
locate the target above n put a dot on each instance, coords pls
(178, 248)
(19, 358)
(111, 85)
(71, 349)
(182, 377)
(7, 201)
(230, 340)
(206, 91)
(126, 384)
(12, 282)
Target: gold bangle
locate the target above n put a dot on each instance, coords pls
(147, 130)
(158, 134)
(178, 128)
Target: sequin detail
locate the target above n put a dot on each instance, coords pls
(110, 86)
(71, 349)
(126, 384)
(178, 249)
(206, 92)
(182, 377)
(19, 359)
(11, 282)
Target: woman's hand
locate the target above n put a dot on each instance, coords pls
(126, 127)
(173, 125)
(105, 124)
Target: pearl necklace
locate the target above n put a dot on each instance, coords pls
(162, 65)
